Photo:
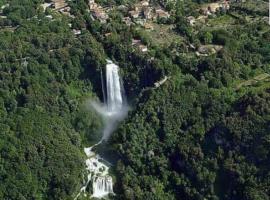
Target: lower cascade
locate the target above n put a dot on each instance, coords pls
(102, 186)
(112, 111)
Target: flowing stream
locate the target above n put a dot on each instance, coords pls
(112, 111)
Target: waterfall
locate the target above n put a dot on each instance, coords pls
(113, 110)
(102, 186)
(114, 93)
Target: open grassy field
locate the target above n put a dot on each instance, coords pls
(258, 7)
(259, 80)
(163, 34)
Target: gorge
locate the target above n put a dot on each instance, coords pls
(113, 110)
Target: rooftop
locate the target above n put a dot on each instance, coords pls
(58, 4)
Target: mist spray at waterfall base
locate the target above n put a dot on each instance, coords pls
(113, 111)
(110, 118)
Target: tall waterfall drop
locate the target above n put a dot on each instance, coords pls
(112, 111)
(114, 91)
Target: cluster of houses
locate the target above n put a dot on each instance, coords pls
(98, 12)
(142, 12)
(139, 45)
(209, 10)
(212, 8)
(58, 5)
(62, 7)
(139, 14)
(1, 11)
(207, 50)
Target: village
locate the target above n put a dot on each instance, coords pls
(145, 16)
(141, 14)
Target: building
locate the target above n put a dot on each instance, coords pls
(62, 7)
(135, 42)
(138, 44)
(212, 8)
(191, 20)
(100, 15)
(161, 82)
(65, 10)
(147, 13)
(4, 6)
(162, 14)
(77, 32)
(134, 14)
(148, 26)
(46, 5)
(143, 48)
(59, 4)
(92, 5)
(107, 34)
(49, 16)
(144, 3)
(202, 19)
(225, 5)
(97, 11)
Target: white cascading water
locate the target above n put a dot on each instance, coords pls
(113, 111)
(114, 89)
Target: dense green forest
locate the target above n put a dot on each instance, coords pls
(45, 75)
(202, 135)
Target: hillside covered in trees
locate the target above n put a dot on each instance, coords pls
(197, 79)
